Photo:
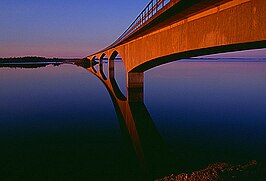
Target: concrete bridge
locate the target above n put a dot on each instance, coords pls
(169, 30)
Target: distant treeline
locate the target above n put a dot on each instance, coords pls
(29, 59)
(31, 66)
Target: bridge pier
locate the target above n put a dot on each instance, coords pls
(111, 71)
(101, 69)
(101, 66)
(135, 86)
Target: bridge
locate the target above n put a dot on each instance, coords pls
(169, 30)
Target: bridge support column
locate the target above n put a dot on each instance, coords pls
(101, 65)
(111, 71)
(135, 84)
(101, 69)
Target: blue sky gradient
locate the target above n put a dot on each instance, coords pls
(57, 28)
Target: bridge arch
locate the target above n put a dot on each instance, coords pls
(111, 61)
(114, 54)
(117, 72)
(94, 63)
(102, 66)
(102, 56)
(198, 52)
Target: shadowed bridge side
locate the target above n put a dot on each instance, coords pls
(183, 29)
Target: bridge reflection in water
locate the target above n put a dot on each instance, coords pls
(154, 156)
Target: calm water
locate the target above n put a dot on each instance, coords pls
(59, 123)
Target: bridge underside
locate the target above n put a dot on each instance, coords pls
(234, 25)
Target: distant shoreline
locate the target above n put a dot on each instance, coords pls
(30, 60)
(28, 63)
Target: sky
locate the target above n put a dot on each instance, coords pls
(66, 28)
(63, 28)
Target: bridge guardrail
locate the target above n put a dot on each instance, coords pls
(153, 7)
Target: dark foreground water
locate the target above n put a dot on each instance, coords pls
(59, 123)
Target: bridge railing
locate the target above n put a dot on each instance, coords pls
(153, 7)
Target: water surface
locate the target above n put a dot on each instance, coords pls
(60, 123)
